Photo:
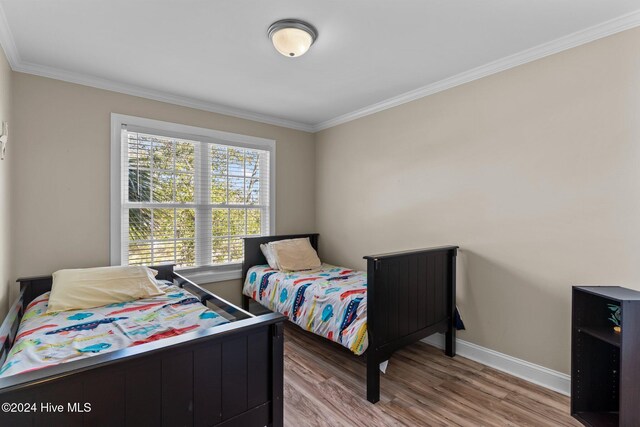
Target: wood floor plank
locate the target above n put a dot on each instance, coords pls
(439, 403)
(325, 386)
(299, 410)
(406, 415)
(531, 391)
(551, 412)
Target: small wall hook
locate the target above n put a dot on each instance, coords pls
(4, 137)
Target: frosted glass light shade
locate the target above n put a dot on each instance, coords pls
(291, 41)
(292, 38)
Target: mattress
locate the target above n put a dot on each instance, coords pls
(330, 301)
(46, 339)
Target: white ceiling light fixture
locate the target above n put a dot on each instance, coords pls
(292, 37)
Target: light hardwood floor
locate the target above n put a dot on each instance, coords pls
(324, 385)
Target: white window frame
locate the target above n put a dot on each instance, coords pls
(205, 274)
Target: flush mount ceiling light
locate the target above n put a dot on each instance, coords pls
(292, 37)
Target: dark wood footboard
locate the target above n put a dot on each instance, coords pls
(410, 295)
(228, 375)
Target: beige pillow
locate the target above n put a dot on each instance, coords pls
(81, 288)
(295, 254)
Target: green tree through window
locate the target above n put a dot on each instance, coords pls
(191, 203)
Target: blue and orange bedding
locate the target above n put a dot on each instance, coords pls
(330, 301)
(46, 339)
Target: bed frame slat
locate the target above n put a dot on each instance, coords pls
(111, 382)
(208, 404)
(234, 377)
(177, 389)
(257, 368)
(143, 393)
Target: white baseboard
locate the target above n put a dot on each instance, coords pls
(545, 377)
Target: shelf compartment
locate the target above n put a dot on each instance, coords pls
(606, 334)
(604, 419)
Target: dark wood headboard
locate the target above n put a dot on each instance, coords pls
(254, 256)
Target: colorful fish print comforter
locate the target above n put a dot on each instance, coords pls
(46, 339)
(330, 301)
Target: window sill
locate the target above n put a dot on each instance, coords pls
(213, 275)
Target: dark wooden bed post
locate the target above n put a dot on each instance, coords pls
(277, 385)
(373, 362)
(450, 335)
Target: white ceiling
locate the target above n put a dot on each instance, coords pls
(215, 53)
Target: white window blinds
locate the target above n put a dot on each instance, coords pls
(189, 200)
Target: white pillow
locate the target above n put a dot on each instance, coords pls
(295, 254)
(75, 289)
(268, 254)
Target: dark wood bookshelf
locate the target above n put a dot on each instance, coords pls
(605, 374)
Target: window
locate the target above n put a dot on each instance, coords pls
(187, 195)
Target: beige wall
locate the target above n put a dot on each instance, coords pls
(61, 160)
(5, 199)
(534, 172)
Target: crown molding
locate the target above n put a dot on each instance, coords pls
(156, 95)
(578, 38)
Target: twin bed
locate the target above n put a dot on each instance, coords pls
(188, 357)
(402, 298)
(183, 358)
